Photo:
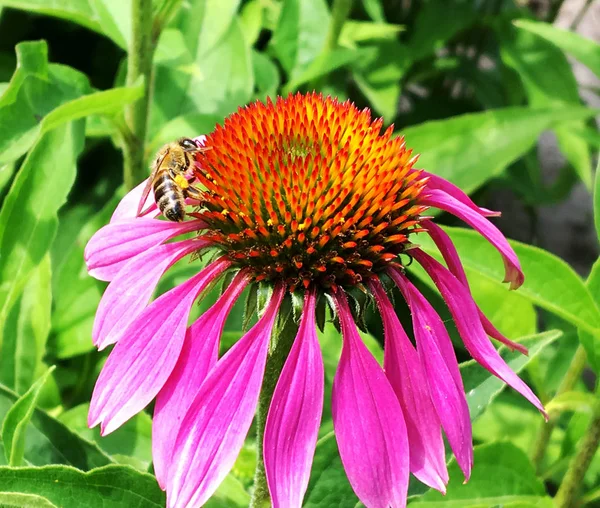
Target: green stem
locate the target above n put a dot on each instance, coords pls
(140, 52)
(568, 382)
(275, 361)
(567, 495)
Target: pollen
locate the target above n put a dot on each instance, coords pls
(309, 191)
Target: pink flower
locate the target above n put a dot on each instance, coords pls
(305, 195)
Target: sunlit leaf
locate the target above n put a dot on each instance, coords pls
(15, 423)
(110, 486)
(572, 401)
(470, 149)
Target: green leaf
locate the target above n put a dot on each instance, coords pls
(482, 387)
(110, 486)
(129, 444)
(470, 149)
(24, 500)
(213, 77)
(230, 494)
(17, 419)
(114, 18)
(26, 332)
(251, 20)
(597, 201)
(300, 34)
(549, 282)
(323, 65)
(589, 341)
(503, 476)
(328, 485)
(374, 10)
(35, 89)
(436, 23)
(548, 81)
(28, 219)
(50, 442)
(572, 401)
(266, 75)
(78, 11)
(583, 49)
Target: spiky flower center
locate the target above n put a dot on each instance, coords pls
(308, 191)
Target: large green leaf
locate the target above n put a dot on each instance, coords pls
(110, 486)
(107, 17)
(502, 476)
(212, 76)
(28, 219)
(597, 201)
(482, 387)
(15, 423)
(26, 331)
(585, 50)
(35, 89)
(48, 441)
(300, 34)
(548, 81)
(129, 444)
(328, 484)
(470, 149)
(549, 282)
(589, 341)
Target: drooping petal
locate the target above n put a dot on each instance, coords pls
(452, 259)
(294, 415)
(407, 377)
(441, 368)
(128, 206)
(437, 182)
(198, 356)
(464, 311)
(368, 422)
(115, 244)
(214, 428)
(129, 292)
(143, 359)
(443, 201)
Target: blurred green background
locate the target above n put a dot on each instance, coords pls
(485, 90)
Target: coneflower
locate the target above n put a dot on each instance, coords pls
(305, 196)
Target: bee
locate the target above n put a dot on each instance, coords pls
(168, 178)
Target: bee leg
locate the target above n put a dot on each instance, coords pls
(193, 193)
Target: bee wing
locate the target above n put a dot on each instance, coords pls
(149, 186)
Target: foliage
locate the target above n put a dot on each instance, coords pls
(471, 85)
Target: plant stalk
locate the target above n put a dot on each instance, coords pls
(568, 492)
(279, 352)
(568, 382)
(140, 53)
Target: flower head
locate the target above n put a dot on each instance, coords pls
(306, 195)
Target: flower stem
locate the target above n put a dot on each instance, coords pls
(568, 382)
(140, 52)
(280, 348)
(567, 494)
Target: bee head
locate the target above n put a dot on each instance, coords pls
(189, 145)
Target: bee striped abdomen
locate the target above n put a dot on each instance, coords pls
(169, 197)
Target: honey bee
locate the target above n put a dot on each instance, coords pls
(168, 178)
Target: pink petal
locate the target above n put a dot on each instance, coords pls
(294, 415)
(128, 206)
(115, 244)
(450, 255)
(142, 361)
(464, 311)
(441, 368)
(132, 288)
(200, 140)
(440, 199)
(437, 182)
(198, 356)
(368, 422)
(407, 377)
(215, 426)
